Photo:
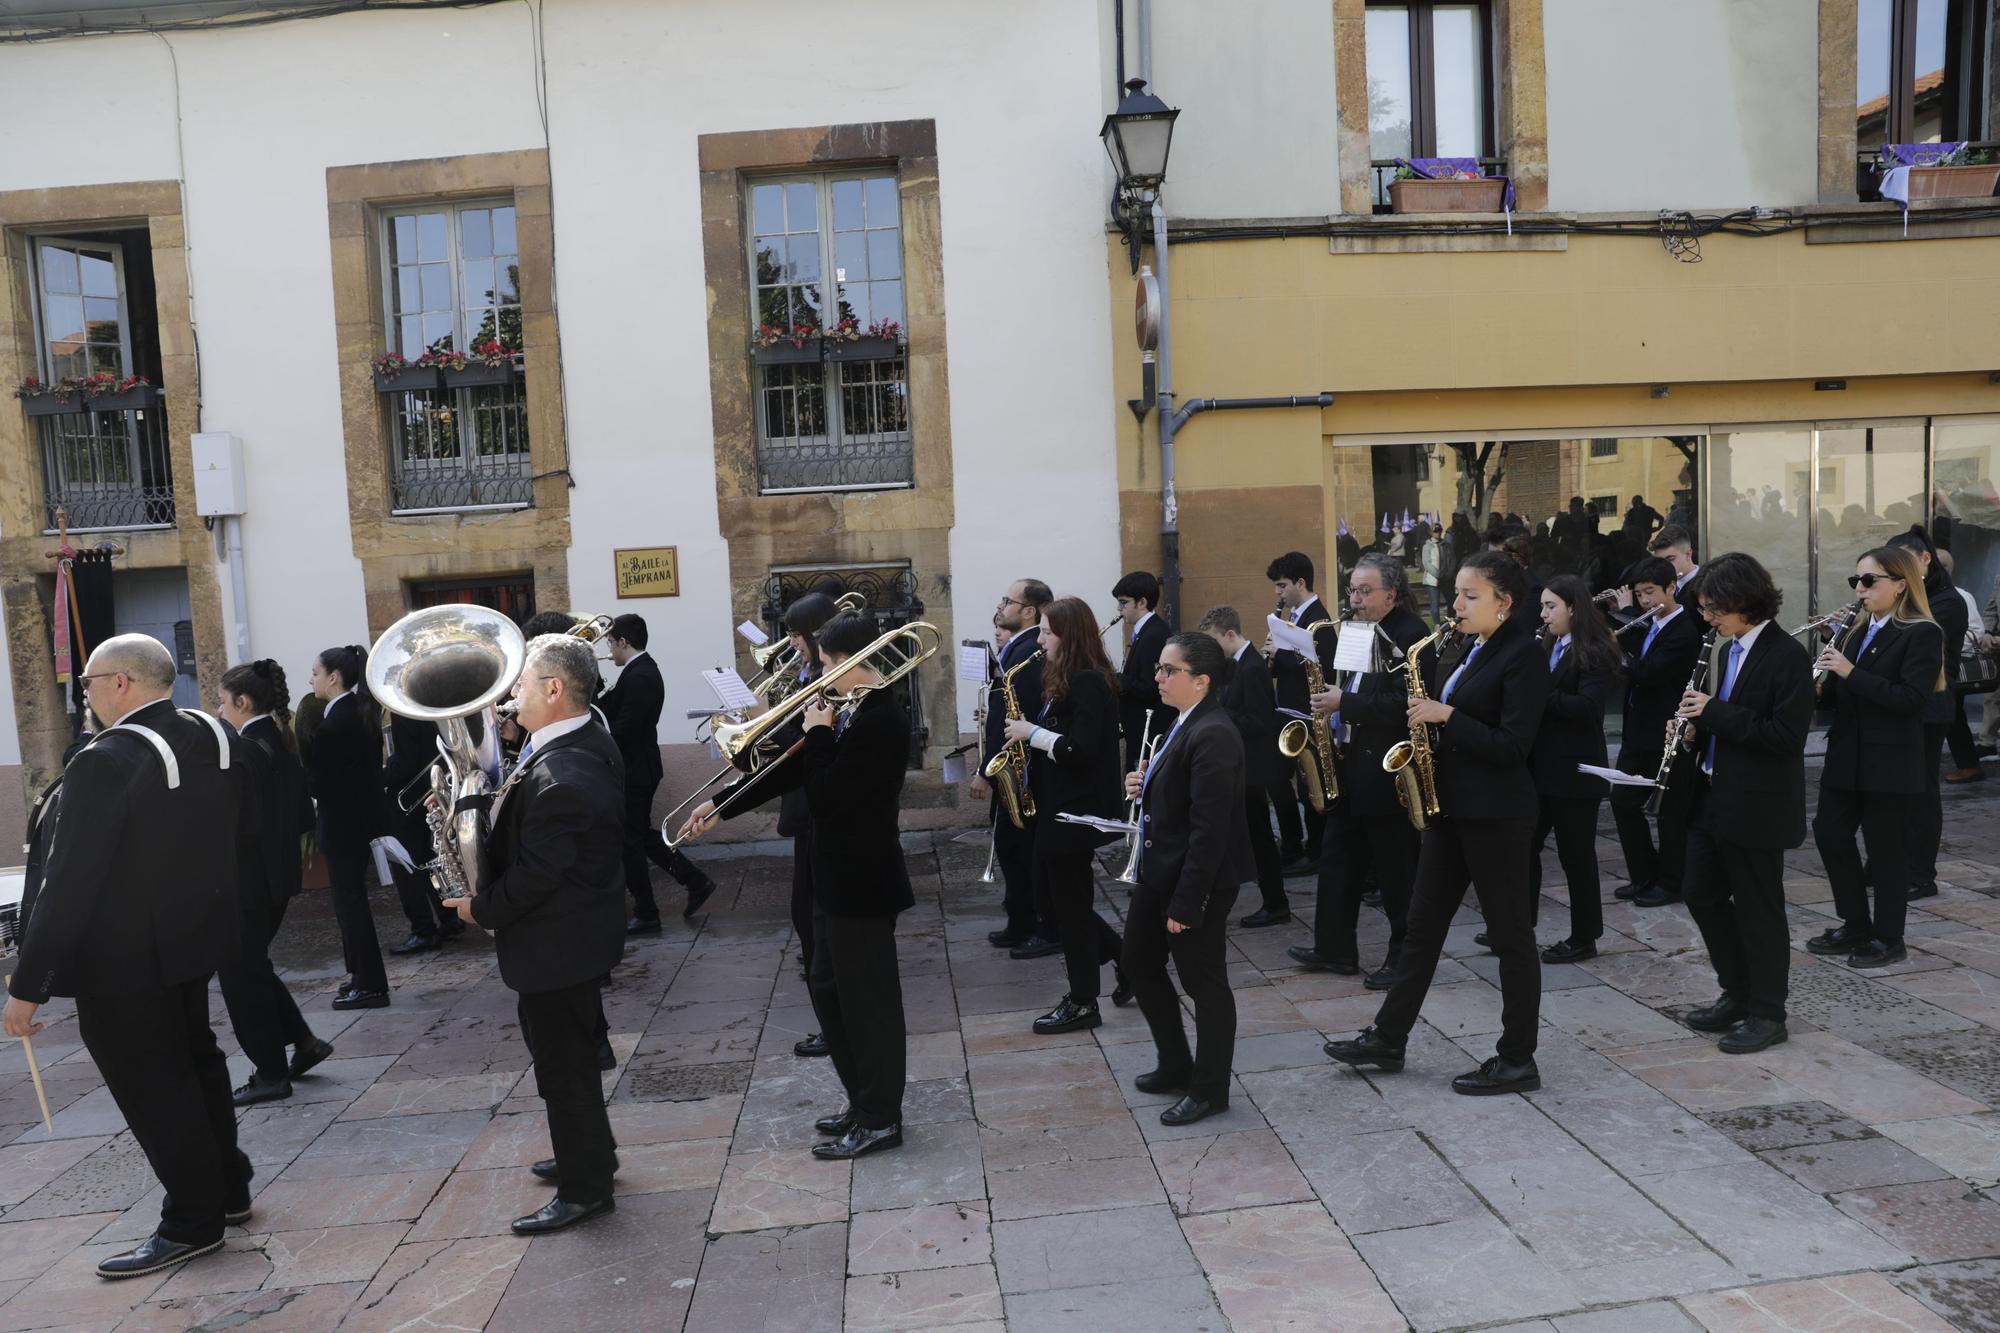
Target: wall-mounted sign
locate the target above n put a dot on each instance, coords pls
(648, 571)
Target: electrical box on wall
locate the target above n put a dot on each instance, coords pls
(218, 474)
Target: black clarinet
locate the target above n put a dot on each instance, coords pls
(1697, 684)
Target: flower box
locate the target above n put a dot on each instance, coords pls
(135, 399)
(1970, 182)
(863, 349)
(407, 380)
(478, 373)
(785, 353)
(1481, 195)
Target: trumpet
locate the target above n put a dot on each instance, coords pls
(909, 645)
(1147, 745)
(779, 662)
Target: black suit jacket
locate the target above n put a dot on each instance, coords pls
(554, 896)
(1083, 775)
(132, 884)
(632, 708)
(1758, 794)
(1876, 739)
(344, 773)
(1196, 841)
(281, 784)
(1685, 595)
(1482, 750)
(1375, 714)
(1654, 684)
(1572, 729)
(1288, 669)
(1027, 686)
(1250, 701)
(1948, 609)
(1139, 693)
(412, 751)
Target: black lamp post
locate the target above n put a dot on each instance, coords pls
(1138, 136)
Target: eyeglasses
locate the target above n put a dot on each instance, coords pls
(1171, 671)
(102, 675)
(1870, 580)
(1361, 590)
(1009, 601)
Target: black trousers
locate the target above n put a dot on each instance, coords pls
(1926, 813)
(1492, 856)
(1066, 891)
(1264, 849)
(158, 1056)
(1736, 895)
(1014, 851)
(1284, 796)
(347, 872)
(1882, 818)
(643, 843)
(1666, 866)
(261, 1007)
(802, 898)
(560, 1027)
(1573, 819)
(857, 994)
(1200, 956)
(1958, 735)
(1358, 850)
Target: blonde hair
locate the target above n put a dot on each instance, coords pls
(1913, 604)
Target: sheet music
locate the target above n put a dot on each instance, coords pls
(1353, 647)
(974, 660)
(730, 689)
(1101, 825)
(1287, 635)
(1614, 777)
(754, 632)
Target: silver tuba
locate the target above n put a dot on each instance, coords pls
(450, 665)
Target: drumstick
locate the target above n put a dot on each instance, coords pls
(35, 1073)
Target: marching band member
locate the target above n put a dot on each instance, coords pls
(1291, 576)
(1367, 836)
(1749, 801)
(632, 711)
(1248, 698)
(1948, 609)
(1138, 595)
(1487, 710)
(1583, 664)
(1074, 770)
(1027, 933)
(1658, 660)
(1194, 852)
(345, 775)
(1879, 682)
(1675, 545)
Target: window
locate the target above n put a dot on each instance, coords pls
(832, 414)
(1920, 71)
(512, 596)
(454, 282)
(1604, 449)
(1429, 90)
(1605, 505)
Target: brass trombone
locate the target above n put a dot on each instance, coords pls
(909, 645)
(780, 664)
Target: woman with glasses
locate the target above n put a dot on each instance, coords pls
(1880, 678)
(1073, 768)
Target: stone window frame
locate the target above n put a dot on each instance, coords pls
(1520, 110)
(1839, 35)
(397, 549)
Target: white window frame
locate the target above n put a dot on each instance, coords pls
(44, 353)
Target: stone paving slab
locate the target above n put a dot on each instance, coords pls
(1846, 1180)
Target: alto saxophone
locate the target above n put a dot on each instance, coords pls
(1008, 770)
(1311, 741)
(1411, 763)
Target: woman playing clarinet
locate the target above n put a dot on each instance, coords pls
(1583, 666)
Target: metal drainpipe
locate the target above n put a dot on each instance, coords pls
(1146, 41)
(1170, 509)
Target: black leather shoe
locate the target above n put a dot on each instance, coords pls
(1655, 896)
(1069, 1016)
(1310, 960)
(257, 1088)
(155, 1254)
(546, 1169)
(1382, 978)
(643, 925)
(1721, 1016)
(1878, 953)
(1481, 940)
(1190, 1109)
(1372, 898)
(1753, 1034)
(698, 893)
(1162, 1080)
(1497, 1076)
(1921, 891)
(1839, 940)
(236, 1208)
(1370, 1048)
(559, 1213)
(858, 1142)
(1008, 939)
(607, 1059)
(362, 999)
(810, 1046)
(1121, 990)
(1627, 892)
(1037, 947)
(308, 1055)
(417, 944)
(836, 1126)
(1265, 916)
(1569, 951)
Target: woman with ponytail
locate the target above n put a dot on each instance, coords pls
(261, 1008)
(1947, 608)
(345, 776)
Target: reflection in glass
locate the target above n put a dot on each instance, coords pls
(432, 243)
(100, 276)
(847, 214)
(436, 280)
(475, 233)
(1871, 487)
(1459, 81)
(1872, 67)
(59, 270)
(1390, 97)
(1759, 487)
(885, 254)
(801, 207)
(767, 209)
(850, 254)
(62, 317)
(881, 201)
(503, 232)
(477, 284)
(1966, 521)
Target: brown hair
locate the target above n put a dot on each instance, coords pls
(1080, 647)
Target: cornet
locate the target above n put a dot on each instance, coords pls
(1148, 743)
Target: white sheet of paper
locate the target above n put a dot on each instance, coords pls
(954, 769)
(1352, 651)
(1287, 635)
(1614, 777)
(972, 659)
(730, 689)
(754, 632)
(1103, 825)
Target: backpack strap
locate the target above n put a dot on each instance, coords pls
(159, 744)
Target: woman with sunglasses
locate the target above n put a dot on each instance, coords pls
(1879, 680)
(1948, 610)
(1073, 768)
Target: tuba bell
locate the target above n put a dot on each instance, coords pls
(451, 665)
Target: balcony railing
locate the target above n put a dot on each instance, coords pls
(107, 469)
(460, 449)
(1383, 171)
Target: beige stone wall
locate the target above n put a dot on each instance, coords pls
(25, 570)
(396, 549)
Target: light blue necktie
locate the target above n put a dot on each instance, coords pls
(1728, 684)
(1867, 639)
(1651, 635)
(1556, 657)
(1444, 695)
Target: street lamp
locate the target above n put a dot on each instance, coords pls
(1138, 136)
